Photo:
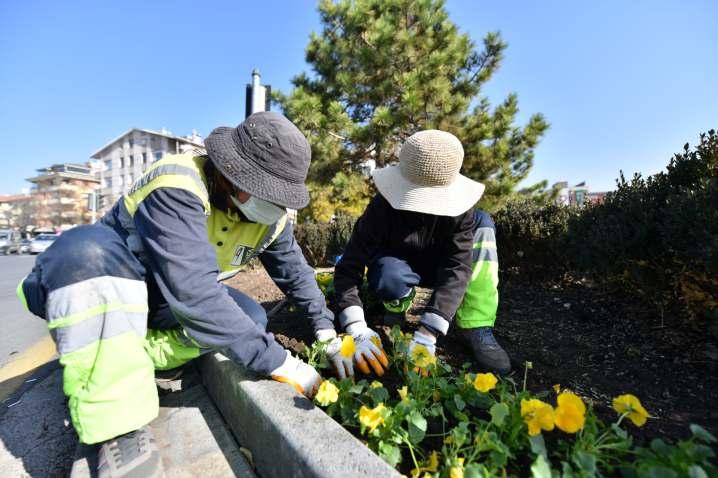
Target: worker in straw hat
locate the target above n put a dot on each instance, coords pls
(140, 290)
(422, 229)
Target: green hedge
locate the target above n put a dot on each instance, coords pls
(659, 234)
(322, 242)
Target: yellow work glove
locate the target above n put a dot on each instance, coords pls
(340, 351)
(369, 351)
(299, 375)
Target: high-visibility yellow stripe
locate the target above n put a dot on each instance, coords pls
(485, 245)
(93, 311)
(21, 293)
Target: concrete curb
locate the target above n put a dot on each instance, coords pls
(286, 433)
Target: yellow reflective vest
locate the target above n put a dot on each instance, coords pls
(235, 241)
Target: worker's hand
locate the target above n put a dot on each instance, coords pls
(368, 349)
(299, 375)
(422, 350)
(340, 351)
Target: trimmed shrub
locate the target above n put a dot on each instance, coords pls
(321, 242)
(658, 235)
(530, 237)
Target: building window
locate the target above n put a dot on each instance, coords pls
(158, 155)
(144, 158)
(131, 160)
(107, 183)
(108, 164)
(129, 179)
(122, 162)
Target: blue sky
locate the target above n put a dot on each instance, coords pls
(624, 84)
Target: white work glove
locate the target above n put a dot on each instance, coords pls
(340, 351)
(422, 338)
(368, 348)
(299, 375)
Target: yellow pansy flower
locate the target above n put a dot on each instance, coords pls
(537, 415)
(348, 347)
(570, 414)
(433, 462)
(371, 417)
(328, 393)
(456, 472)
(485, 382)
(375, 384)
(403, 392)
(421, 356)
(631, 405)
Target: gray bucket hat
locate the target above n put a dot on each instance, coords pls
(266, 156)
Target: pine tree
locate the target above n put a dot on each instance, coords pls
(384, 69)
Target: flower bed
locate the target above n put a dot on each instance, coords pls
(429, 419)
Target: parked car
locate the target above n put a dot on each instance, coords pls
(9, 241)
(25, 246)
(42, 242)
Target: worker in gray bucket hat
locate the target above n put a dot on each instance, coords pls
(140, 290)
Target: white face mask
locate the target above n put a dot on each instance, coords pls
(259, 210)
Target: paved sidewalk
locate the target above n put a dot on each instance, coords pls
(36, 438)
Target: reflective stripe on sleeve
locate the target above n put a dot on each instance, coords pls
(484, 248)
(163, 169)
(489, 255)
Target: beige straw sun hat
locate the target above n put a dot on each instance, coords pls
(427, 178)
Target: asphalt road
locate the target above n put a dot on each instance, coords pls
(20, 329)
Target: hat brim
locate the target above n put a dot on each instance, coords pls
(450, 200)
(249, 177)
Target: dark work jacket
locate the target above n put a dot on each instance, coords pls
(438, 248)
(183, 264)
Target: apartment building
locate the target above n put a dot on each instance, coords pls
(59, 195)
(121, 161)
(13, 208)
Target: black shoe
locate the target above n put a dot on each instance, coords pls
(132, 455)
(488, 354)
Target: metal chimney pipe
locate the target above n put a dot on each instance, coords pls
(258, 96)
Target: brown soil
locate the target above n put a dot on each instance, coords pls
(596, 342)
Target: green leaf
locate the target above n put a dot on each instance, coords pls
(660, 447)
(696, 471)
(356, 389)
(702, 434)
(378, 395)
(474, 470)
(540, 468)
(659, 472)
(699, 453)
(498, 411)
(538, 446)
(620, 432)
(390, 453)
(417, 427)
(585, 462)
(459, 402)
(566, 470)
